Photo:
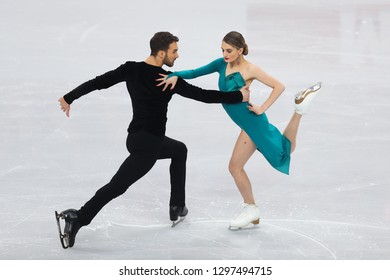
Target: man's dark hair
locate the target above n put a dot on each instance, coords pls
(161, 41)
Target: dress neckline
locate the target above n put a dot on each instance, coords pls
(233, 73)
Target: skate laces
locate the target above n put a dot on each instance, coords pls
(247, 210)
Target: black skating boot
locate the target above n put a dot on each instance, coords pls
(72, 226)
(177, 214)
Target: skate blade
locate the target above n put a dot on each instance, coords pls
(64, 238)
(248, 227)
(65, 241)
(316, 87)
(252, 225)
(303, 94)
(178, 221)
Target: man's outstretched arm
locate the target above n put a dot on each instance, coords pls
(211, 96)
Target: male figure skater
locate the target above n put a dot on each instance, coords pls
(146, 141)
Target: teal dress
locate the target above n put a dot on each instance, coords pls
(269, 141)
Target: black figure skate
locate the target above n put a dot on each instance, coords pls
(72, 226)
(177, 214)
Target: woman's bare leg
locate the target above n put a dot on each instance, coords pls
(302, 102)
(291, 130)
(243, 150)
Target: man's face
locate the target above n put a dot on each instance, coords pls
(171, 54)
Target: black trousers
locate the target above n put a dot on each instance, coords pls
(145, 149)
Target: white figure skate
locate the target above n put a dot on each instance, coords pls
(250, 214)
(304, 98)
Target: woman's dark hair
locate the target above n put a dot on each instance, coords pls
(236, 40)
(161, 41)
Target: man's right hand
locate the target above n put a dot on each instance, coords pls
(65, 107)
(245, 93)
(166, 82)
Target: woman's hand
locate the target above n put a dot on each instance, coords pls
(257, 109)
(245, 93)
(166, 82)
(65, 107)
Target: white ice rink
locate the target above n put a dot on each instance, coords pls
(335, 205)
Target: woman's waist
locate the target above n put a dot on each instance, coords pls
(240, 113)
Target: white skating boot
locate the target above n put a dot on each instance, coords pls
(304, 98)
(250, 214)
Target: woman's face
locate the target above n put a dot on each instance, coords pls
(230, 53)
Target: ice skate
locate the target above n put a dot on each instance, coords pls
(72, 226)
(250, 214)
(304, 98)
(177, 214)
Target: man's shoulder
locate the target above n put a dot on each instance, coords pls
(131, 63)
(145, 65)
(131, 66)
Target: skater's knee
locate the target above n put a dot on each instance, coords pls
(182, 151)
(234, 168)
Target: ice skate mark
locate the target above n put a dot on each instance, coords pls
(165, 189)
(142, 226)
(29, 216)
(240, 251)
(315, 240)
(326, 53)
(354, 187)
(70, 30)
(60, 132)
(74, 31)
(90, 30)
(98, 25)
(331, 222)
(165, 225)
(12, 169)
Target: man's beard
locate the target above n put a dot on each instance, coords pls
(168, 62)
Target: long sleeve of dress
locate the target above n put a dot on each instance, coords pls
(212, 67)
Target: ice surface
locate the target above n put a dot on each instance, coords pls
(334, 205)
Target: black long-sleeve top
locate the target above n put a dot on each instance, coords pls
(149, 102)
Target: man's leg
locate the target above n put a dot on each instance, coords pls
(177, 152)
(144, 149)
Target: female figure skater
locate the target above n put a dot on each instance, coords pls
(257, 133)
